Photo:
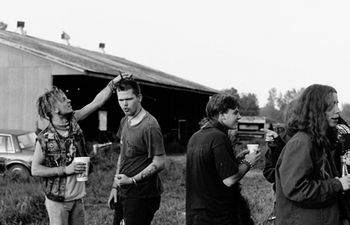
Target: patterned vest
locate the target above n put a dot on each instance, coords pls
(60, 151)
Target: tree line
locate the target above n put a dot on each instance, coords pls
(276, 104)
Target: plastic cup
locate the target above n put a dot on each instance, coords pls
(83, 176)
(253, 147)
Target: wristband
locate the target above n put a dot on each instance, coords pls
(247, 163)
(115, 186)
(112, 86)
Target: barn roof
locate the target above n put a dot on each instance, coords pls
(97, 64)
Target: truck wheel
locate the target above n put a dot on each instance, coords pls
(19, 170)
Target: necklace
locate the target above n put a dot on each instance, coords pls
(61, 127)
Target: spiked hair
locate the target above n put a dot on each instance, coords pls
(46, 102)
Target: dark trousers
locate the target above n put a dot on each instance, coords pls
(203, 217)
(136, 211)
(240, 216)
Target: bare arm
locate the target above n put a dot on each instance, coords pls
(117, 171)
(98, 101)
(118, 164)
(158, 164)
(42, 171)
(243, 168)
(38, 169)
(112, 199)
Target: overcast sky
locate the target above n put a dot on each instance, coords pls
(251, 45)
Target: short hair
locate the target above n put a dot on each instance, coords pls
(46, 102)
(220, 103)
(128, 83)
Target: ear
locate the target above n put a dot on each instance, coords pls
(139, 98)
(221, 117)
(55, 110)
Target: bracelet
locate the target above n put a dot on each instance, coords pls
(247, 163)
(114, 187)
(112, 86)
(61, 171)
(134, 181)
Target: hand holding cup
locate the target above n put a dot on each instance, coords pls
(81, 167)
(253, 148)
(345, 182)
(254, 153)
(75, 168)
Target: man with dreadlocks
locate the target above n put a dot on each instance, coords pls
(55, 149)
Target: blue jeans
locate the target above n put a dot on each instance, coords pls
(65, 213)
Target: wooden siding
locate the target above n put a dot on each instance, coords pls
(23, 78)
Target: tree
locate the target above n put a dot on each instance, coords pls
(249, 105)
(277, 104)
(248, 102)
(272, 99)
(346, 112)
(231, 91)
(269, 110)
(284, 100)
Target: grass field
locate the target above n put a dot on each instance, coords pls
(21, 201)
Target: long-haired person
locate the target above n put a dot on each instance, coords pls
(308, 183)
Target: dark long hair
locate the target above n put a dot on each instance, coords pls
(310, 116)
(309, 113)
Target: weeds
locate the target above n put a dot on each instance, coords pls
(22, 201)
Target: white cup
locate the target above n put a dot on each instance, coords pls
(253, 147)
(83, 176)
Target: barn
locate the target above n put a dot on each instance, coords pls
(29, 66)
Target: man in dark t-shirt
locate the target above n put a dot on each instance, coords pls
(136, 189)
(212, 170)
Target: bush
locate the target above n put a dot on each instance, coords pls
(20, 202)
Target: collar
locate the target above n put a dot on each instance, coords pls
(62, 127)
(215, 124)
(72, 126)
(137, 118)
